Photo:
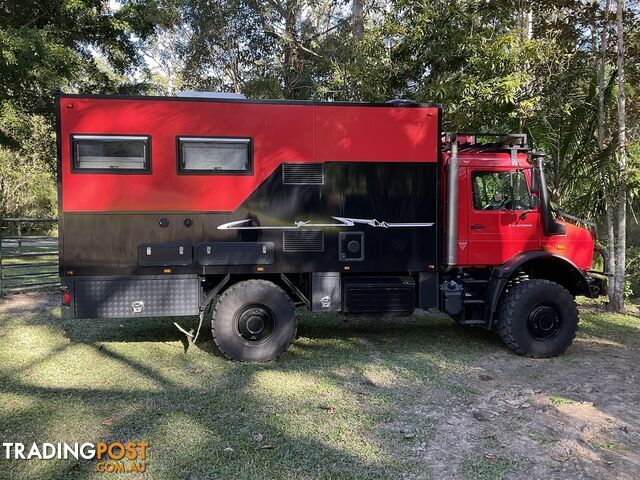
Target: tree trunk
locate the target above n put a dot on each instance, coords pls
(618, 303)
(611, 247)
(357, 18)
(291, 52)
(528, 24)
(608, 197)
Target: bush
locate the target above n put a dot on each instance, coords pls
(27, 173)
(632, 285)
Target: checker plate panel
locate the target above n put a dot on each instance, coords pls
(136, 297)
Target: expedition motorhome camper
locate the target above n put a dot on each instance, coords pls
(168, 204)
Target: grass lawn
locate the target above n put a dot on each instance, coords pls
(363, 398)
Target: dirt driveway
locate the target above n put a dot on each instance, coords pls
(353, 398)
(577, 416)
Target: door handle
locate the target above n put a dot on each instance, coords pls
(477, 227)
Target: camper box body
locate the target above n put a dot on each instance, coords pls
(162, 198)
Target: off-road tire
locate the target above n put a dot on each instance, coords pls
(526, 308)
(233, 314)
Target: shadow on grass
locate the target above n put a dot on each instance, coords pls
(417, 328)
(190, 418)
(327, 409)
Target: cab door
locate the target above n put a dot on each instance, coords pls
(501, 219)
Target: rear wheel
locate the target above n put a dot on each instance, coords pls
(538, 318)
(253, 321)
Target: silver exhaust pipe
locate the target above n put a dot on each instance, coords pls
(451, 256)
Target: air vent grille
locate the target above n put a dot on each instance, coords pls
(389, 295)
(303, 241)
(303, 174)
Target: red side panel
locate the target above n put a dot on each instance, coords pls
(373, 134)
(280, 132)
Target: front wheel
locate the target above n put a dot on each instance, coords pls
(538, 318)
(253, 321)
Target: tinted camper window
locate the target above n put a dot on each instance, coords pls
(214, 155)
(110, 152)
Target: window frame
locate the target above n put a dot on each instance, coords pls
(493, 170)
(224, 139)
(110, 171)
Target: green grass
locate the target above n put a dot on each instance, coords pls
(610, 446)
(614, 328)
(562, 401)
(487, 468)
(323, 409)
(334, 406)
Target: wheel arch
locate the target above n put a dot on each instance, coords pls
(537, 264)
(216, 285)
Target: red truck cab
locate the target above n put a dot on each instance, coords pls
(493, 227)
(512, 261)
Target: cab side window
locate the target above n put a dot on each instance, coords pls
(500, 191)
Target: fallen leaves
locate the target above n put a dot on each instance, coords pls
(490, 458)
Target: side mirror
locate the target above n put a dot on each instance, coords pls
(535, 180)
(534, 202)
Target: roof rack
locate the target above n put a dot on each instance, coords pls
(472, 143)
(493, 141)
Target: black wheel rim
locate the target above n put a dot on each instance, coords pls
(255, 323)
(544, 322)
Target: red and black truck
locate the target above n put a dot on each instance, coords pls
(171, 204)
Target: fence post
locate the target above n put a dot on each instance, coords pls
(0, 257)
(23, 250)
(19, 226)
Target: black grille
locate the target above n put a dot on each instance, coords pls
(303, 241)
(391, 295)
(303, 174)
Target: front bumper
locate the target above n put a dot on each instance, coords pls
(597, 286)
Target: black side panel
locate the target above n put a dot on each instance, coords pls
(165, 254)
(428, 290)
(98, 244)
(236, 253)
(136, 297)
(326, 294)
(393, 204)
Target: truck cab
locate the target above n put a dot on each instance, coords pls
(502, 213)
(501, 234)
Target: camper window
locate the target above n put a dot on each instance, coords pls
(214, 155)
(119, 153)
